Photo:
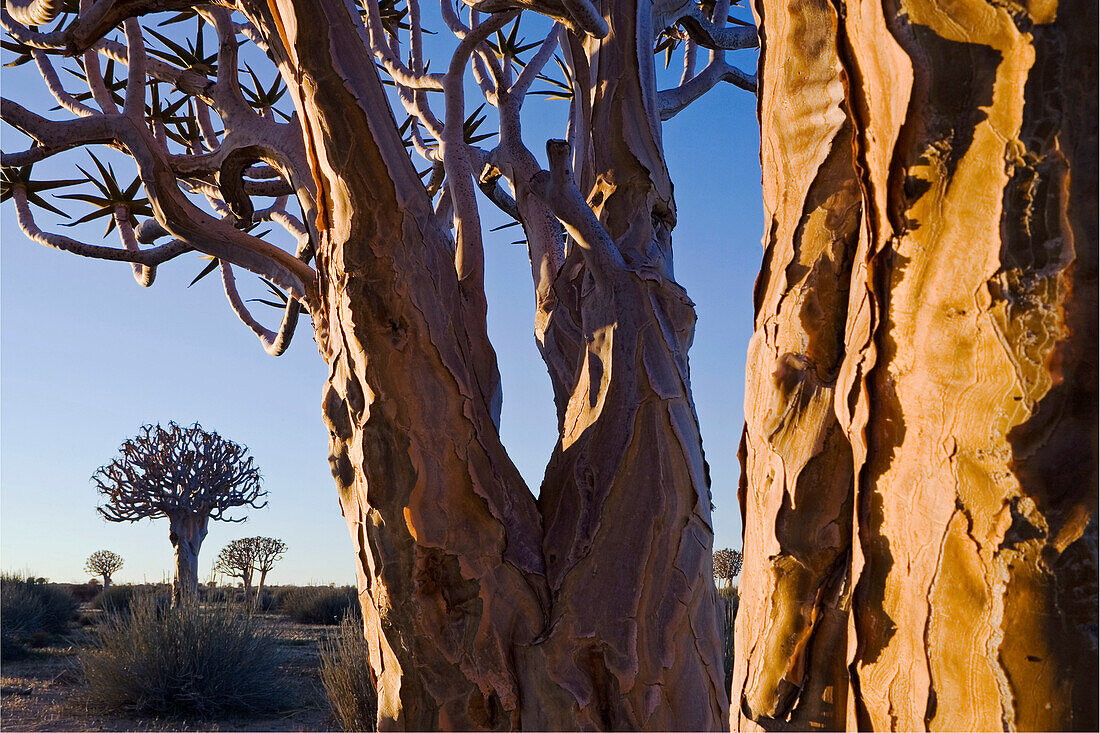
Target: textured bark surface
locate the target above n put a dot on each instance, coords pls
(920, 453)
(592, 607)
(186, 532)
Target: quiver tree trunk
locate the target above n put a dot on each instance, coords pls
(920, 465)
(186, 532)
(594, 606)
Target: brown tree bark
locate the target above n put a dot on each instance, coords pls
(920, 455)
(186, 532)
(592, 607)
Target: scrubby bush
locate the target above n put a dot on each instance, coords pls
(282, 595)
(317, 604)
(115, 599)
(182, 662)
(214, 594)
(32, 604)
(31, 609)
(265, 601)
(21, 612)
(84, 592)
(346, 677)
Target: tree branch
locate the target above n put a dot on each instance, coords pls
(172, 208)
(557, 189)
(672, 101)
(275, 343)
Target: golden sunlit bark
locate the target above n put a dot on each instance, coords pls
(594, 606)
(920, 453)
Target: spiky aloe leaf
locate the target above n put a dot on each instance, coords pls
(111, 196)
(563, 89)
(213, 264)
(12, 178)
(471, 124)
(193, 58)
(282, 298)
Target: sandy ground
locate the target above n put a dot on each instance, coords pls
(42, 693)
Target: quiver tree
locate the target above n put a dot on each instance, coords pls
(269, 551)
(591, 605)
(727, 566)
(245, 557)
(188, 475)
(920, 457)
(105, 563)
(237, 560)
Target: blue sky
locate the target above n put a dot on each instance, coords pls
(87, 356)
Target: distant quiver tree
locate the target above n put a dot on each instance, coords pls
(236, 560)
(186, 474)
(105, 563)
(269, 550)
(727, 566)
(244, 557)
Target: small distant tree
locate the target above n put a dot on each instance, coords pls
(237, 560)
(269, 550)
(186, 474)
(105, 563)
(244, 557)
(727, 566)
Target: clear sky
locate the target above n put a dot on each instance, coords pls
(87, 356)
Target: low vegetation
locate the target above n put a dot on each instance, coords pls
(317, 604)
(183, 661)
(115, 599)
(31, 610)
(348, 686)
(141, 659)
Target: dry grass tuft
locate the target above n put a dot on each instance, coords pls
(182, 662)
(345, 673)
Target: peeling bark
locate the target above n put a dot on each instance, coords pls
(920, 454)
(592, 607)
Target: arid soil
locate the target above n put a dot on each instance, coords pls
(43, 693)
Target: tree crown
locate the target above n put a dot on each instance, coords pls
(157, 88)
(237, 558)
(178, 470)
(103, 562)
(727, 564)
(240, 557)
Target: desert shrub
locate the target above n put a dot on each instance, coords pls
(318, 604)
(214, 594)
(115, 599)
(21, 610)
(50, 610)
(84, 592)
(283, 593)
(118, 599)
(31, 611)
(266, 601)
(182, 662)
(21, 613)
(346, 677)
